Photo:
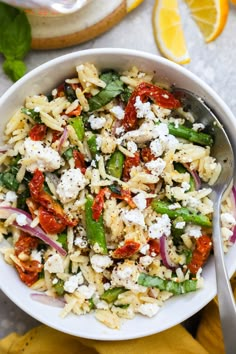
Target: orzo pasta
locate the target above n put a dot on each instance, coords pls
(101, 196)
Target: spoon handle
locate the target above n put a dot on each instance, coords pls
(224, 291)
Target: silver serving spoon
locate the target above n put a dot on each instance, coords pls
(223, 152)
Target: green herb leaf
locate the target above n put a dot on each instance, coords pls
(113, 88)
(32, 113)
(15, 40)
(14, 69)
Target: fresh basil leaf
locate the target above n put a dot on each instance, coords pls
(16, 39)
(32, 113)
(7, 15)
(112, 90)
(108, 76)
(15, 69)
(125, 95)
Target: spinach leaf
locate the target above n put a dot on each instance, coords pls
(15, 40)
(113, 88)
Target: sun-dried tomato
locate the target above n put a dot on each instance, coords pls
(55, 135)
(25, 244)
(79, 161)
(129, 249)
(46, 201)
(128, 164)
(154, 246)
(98, 203)
(38, 132)
(29, 271)
(125, 194)
(147, 155)
(76, 112)
(200, 254)
(147, 91)
(49, 222)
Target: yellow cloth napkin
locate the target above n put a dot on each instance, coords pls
(44, 340)
(177, 340)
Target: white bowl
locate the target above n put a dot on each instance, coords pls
(177, 309)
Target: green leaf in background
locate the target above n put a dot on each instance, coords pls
(14, 69)
(15, 40)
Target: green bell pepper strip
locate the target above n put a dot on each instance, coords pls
(59, 287)
(176, 288)
(95, 229)
(189, 216)
(191, 135)
(62, 239)
(111, 295)
(115, 164)
(78, 125)
(92, 144)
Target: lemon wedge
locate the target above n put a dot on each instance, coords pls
(132, 4)
(168, 31)
(210, 16)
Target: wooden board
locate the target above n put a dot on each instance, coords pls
(59, 31)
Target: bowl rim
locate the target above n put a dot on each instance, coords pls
(146, 56)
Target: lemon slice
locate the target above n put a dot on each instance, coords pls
(210, 16)
(132, 4)
(168, 31)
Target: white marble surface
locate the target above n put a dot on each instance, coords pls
(214, 63)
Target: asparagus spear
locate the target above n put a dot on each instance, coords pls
(92, 145)
(95, 229)
(187, 215)
(111, 295)
(172, 286)
(115, 164)
(191, 135)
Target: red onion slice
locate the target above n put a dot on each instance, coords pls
(5, 212)
(164, 251)
(48, 300)
(194, 174)
(63, 139)
(4, 148)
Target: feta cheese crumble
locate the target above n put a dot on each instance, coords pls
(228, 220)
(156, 148)
(156, 166)
(118, 112)
(73, 282)
(54, 264)
(143, 109)
(96, 122)
(71, 183)
(148, 310)
(134, 216)
(193, 230)
(132, 147)
(140, 201)
(41, 157)
(21, 220)
(100, 262)
(161, 227)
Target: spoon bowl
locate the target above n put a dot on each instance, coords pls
(224, 154)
